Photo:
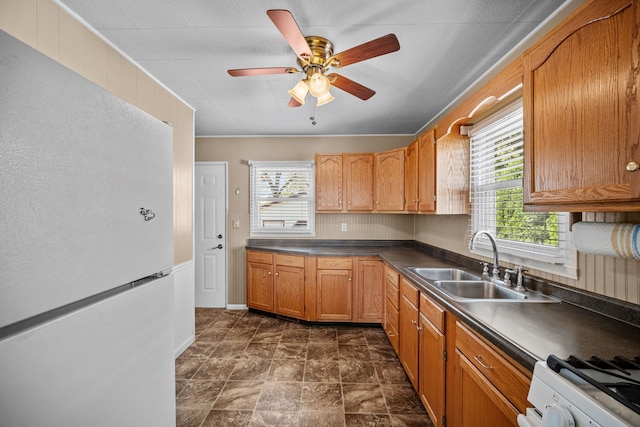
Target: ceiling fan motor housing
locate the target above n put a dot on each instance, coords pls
(321, 50)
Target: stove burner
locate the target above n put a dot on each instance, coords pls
(609, 374)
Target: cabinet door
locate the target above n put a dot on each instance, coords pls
(479, 403)
(411, 180)
(409, 339)
(368, 291)
(334, 293)
(358, 182)
(427, 172)
(431, 370)
(329, 182)
(390, 180)
(289, 291)
(260, 286)
(581, 118)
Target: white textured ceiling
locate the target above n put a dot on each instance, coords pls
(188, 45)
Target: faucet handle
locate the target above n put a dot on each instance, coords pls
(507, 277)
(520, 269)
(485, 268)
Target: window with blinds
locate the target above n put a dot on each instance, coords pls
(534, 239)
(282, 199)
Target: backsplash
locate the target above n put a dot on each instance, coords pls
(612, 277)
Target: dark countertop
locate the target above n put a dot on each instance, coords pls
(526, 331)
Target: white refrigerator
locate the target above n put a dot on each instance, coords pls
(86, 214)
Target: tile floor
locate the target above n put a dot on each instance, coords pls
(249, 369)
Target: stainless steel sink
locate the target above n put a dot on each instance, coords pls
(482, 290)
(443, 274)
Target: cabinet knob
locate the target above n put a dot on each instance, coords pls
(632, 166)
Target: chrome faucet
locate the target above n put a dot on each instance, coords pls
(495, 273)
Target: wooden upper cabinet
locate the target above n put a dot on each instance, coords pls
(411, 178)
(389, 182)
(452, 184)
(420, 174)
(344, 182)
(581, 112)
(329, 189)
(358, 182)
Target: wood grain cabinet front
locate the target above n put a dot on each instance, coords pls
(489, 388)
(334, 289)
(582, 112)
(289, 285)
(260, 280)
(344, 182)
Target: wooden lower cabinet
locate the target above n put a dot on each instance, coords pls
(409, 337)
(489, 389)
(390, 321)
(260, 280)
(431, 367)
(367, 292)
(334, 289)
(289, 285)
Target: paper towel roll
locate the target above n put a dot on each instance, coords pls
(609, 239)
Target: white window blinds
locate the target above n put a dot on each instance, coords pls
(282, 198)
(497, 197)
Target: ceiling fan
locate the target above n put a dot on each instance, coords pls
(315, 58)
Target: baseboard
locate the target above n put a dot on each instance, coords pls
(237, 307)
(182, 347)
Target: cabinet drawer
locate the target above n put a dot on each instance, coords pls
(500, 372)
(410, 292)
(290, 260)
(393, 295)
(391, 276)
(325, 263)
(260, 257)
(393, 318)
(433, 312)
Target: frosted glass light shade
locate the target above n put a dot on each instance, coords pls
(319, 85)
(325, 99)
(299, 91)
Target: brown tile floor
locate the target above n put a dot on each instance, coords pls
(249, 369)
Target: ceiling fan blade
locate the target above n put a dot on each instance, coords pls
(371, 49)
(285, 23)
(293, 103)
(261, 71)
(347, 85)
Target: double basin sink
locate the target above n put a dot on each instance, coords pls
(463, 286)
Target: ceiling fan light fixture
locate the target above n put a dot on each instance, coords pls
(299, 91)
(319, 84)
(325, 99)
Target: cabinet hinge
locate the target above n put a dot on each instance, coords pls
(444, 421)
(444, 355)
(435, 198)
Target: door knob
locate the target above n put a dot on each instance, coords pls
(632, 166)
(217, 247)
(219, 236)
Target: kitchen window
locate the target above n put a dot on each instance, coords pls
(538, 240)
(282, 198)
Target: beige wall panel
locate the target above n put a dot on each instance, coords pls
(236, 151)
(72, 43)
(18, 18)
(165, 105)
(183, 184)
(48, 28)
(128, 81)
(113, 71)
(145, 96)
(97, 68)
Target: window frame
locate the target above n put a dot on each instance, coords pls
(561, 261)
(257, 230)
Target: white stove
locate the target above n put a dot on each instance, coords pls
(584, 393)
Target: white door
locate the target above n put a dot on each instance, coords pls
(211, 234)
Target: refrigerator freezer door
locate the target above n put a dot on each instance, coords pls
(109, 364)
(77, 164)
